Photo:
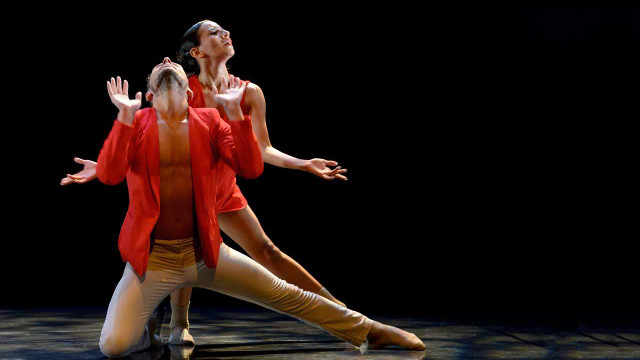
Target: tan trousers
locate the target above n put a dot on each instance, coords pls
(124, 330)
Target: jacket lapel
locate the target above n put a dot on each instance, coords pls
(198, 145)
(153, 156)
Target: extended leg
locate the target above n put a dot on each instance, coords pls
(239, 276)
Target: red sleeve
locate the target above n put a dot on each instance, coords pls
(236, 145)
(116, 154)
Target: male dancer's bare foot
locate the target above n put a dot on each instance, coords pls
(381, 335)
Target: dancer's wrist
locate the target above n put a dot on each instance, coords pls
(125, 115)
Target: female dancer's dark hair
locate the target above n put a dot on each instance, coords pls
(190, 40)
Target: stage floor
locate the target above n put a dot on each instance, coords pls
(73, 333)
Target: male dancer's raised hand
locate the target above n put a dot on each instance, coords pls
(231, 97)
(119, 95)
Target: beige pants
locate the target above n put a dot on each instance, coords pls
(124, 330)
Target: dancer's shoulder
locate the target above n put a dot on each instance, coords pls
(253, 95)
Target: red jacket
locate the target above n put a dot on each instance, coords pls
(133, 151)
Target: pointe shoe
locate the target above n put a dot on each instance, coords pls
(180, 336)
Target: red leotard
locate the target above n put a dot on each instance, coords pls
(229, 197)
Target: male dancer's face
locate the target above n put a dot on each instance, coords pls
(215, 42)
(168, 83)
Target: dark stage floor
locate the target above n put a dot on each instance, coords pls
(72, 333)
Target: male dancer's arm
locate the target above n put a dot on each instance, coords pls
(119, 149)
(319, 167)
(236, 144)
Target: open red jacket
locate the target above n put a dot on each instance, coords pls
(133, 152)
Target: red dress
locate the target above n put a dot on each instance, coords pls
(133, 152)
(228, 197)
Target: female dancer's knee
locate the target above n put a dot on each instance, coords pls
(268, 254)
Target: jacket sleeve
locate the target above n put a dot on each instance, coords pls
(236, 145)
(117, 154)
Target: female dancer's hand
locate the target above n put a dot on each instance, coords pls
(320, 168)
(87, 174)
(119, 95)
(231, 97)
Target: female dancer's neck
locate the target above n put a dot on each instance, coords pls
(213, 74)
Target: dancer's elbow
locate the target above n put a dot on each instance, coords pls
(109, 179)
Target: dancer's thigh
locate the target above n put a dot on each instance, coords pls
(239, 276)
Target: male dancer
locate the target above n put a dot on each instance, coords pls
(169, 155)
(204, 52)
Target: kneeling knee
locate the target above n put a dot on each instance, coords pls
(114, 346)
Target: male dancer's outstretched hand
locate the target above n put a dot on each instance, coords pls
(119, 95)
(231, 97)
(87, 174)
(320, 168)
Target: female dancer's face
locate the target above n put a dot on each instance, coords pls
(215, 42)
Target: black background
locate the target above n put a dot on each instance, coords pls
(490, 152)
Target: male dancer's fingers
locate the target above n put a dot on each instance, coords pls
(75, 177)
(125, 89)
(341, 177)
(113, 86)
(330, 162)
(119, 85)
(109, 90)
(78, 160)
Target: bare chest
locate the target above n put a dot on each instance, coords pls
(174, 145)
